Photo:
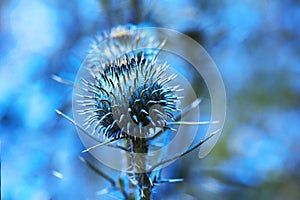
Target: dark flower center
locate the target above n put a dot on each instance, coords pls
(143, 99)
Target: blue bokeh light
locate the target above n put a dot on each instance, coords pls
(247, 40)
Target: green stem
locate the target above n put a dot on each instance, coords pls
(140, 149)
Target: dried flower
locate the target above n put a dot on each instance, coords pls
(129, 94)
(124, 93)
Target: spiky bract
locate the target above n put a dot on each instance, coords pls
(129, 94)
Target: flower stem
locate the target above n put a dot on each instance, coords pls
(140, 149)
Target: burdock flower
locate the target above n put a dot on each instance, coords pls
(123, 92)
(129, 93)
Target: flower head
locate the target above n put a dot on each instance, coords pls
(129, 93)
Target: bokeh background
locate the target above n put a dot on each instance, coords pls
(255, 44)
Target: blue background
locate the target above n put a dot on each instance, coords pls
(255, 44)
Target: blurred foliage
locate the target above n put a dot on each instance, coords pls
(255, 44)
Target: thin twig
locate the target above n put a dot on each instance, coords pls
(183, 113)
(86, 133)
(177, 180)
(121, 188)
(65, 82)
(61, 80)
(98, 171)
(185, 152)
(77, 125)
(99, 145)
(188, 108)
(192, 123)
